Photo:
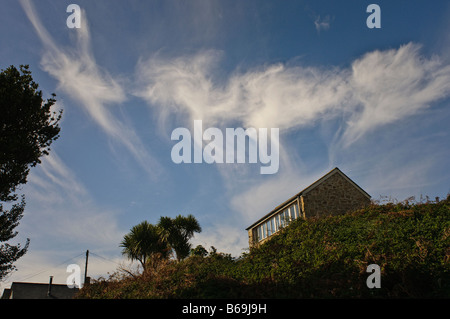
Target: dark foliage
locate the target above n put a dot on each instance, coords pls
(27, 128)
(322, 258)
(9, 220)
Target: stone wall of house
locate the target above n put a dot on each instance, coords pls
(251, 240)
(334, 196)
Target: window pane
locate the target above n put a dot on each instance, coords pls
(286, 216)
(293, 212)
(259, 233)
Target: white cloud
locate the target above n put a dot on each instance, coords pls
(381, 87)
(224, 236)
(322, 24)
(62, 221)
(394, 84)
(60, 208)
(84, 81)
(54, 177)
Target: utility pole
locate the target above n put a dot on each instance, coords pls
(49, 292)
(86, 278)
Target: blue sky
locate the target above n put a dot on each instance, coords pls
(373, 102)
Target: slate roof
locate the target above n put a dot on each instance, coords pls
(28, 290)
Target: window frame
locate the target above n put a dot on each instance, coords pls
(279, 220)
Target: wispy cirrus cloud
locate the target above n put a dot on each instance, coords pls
(322, 23)
(81, 78)
(394, 84)
(379, 88)
(60, 213)
(53, 178)
(55, 195)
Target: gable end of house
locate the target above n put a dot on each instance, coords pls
(333, 194)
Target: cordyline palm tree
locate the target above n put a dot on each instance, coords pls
(177, 232)
(143, 243)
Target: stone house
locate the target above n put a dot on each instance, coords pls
(332, 194)
(29, 290)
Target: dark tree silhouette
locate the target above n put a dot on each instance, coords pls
(28, 127)
(178, 231)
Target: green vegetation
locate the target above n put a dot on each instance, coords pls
(143, 243)
(149, 244)
(28, 127)
(322, 258)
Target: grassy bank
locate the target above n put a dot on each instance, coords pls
(321, 258)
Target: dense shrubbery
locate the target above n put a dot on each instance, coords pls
(322, 258)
